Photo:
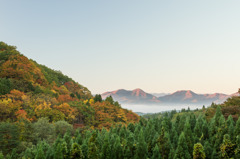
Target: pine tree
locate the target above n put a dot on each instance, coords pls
(117, 149)
(164, 144)
(237, 128)
(237, 151)
(182, 149)
(79, 139)
(57, 148)
(131, 127)
(141, 151)
(85, 149)
(98, 98)
(1, 155)
(58, 152)
(8, 137)
(227, 147)
(106, 151)
(92, 151)
(218, 138)
(67, 138)
(174, 137)
(215, 154)
(92, 147)
(130, 144)
(192, 121)
(156, 153)
(188, 136)
(76, 152)
(198, 128)
(40, 152)
(28, 153)
(171, 154)
(65, 151)
(14, 154)
(207, 149)
(198, 151)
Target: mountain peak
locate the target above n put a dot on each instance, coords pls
(138, 92)
(136, 95)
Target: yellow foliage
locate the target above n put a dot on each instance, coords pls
(91, 101)
(6, 101)
(42, 106)
(53, 91)
(85, 101)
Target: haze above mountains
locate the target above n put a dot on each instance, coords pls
(138, 96)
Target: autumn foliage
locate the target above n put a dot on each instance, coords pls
(31, 91)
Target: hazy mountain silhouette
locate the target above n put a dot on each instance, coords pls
(138, 96)
(134, 96)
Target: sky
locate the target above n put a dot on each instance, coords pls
(158, 46)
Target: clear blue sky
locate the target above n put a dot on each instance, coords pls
(159, 46)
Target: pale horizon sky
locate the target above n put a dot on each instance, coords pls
(158, 46)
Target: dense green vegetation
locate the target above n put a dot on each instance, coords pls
(171, 135)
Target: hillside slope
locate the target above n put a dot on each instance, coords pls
(30, 91)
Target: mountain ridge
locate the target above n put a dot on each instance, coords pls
(138, 96)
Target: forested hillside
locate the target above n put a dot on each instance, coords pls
(30, 91)
(171, 135)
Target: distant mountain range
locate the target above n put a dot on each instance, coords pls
(138, 96)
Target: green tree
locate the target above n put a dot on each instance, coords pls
(68, 139)
(214, 154)
(141, 151)
(98, 98)
(208, 149)
(43, 130)
(156, 153)
(61, 127)
(182, 149)
(58, 153)
(117, 149)
(85, 149)
(164, 143)
(92, 146)
(1, 155)
(110, 100)
(76, 152)
(106, 151)
(237, 128)
(131, 145)
(227, 147)
(9, 137)
(40, 152)
(237, 151)
(93, 151)
(198, 151)
(174, 136)
(198, 127)
(188, 136)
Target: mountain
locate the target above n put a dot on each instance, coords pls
(138, 96)
(134, 96)
(160, 94)
(189, 97)
(31, 91)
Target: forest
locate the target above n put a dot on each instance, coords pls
(47, 115)
(171, 135)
